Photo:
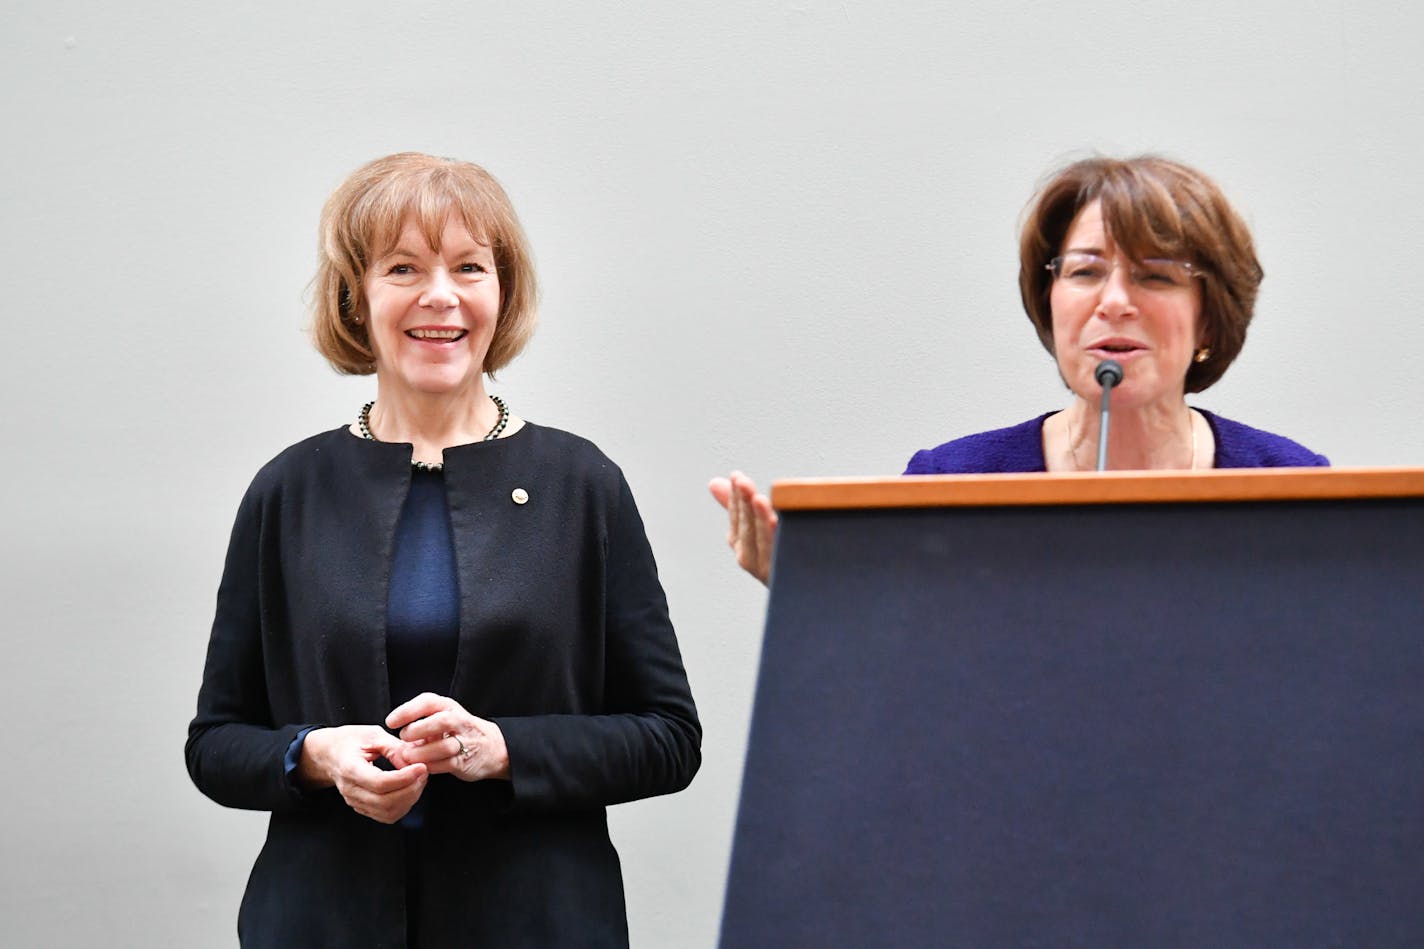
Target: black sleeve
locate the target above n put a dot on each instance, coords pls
(234, 753)
(649, 741)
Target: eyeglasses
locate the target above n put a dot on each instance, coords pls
(1088, 272)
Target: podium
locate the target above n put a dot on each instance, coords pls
(1135, 709)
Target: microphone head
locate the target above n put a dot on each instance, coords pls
(1109, 373)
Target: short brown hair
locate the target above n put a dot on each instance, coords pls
(364, 218)
(1152, 207)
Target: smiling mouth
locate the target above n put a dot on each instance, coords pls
(439, 336)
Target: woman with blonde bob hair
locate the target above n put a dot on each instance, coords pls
(371, 208)
(440, 649)
(1141, 261)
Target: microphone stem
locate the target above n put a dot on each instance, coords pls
(1103, 426)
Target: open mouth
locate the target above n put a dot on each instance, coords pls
(1117, 347)
(438, 336)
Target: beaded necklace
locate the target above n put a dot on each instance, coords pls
(363, 422)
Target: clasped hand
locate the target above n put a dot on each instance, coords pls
(436, 735)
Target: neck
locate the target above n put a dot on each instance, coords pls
(432, 422)
(1145, 438)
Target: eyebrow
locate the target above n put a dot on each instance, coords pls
(399, 251)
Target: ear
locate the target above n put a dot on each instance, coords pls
(1203, 330)
(1202, 351)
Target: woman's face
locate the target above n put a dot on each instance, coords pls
(1149, 324)
(432, 314)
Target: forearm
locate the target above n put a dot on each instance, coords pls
(243, 765)
(572, 762)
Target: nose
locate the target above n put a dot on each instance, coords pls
(439, 292)
(1115, 298)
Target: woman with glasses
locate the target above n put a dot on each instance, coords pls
(1142, 261)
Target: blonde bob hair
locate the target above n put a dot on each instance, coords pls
(363, 219)
(1152, 207)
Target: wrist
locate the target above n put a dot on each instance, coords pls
(312, 768)
(501, 757)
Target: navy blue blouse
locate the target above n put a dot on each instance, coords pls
(423, 604)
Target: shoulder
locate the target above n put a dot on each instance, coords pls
(305, 459)
(1013, 449)
(568, 464)
(590, 487)
(566, 450)
(1241, 446)
(298, 473)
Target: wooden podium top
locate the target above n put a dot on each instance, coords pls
(1091, 487)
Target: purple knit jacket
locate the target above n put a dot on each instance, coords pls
(1020, 448)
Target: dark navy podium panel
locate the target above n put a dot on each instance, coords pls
(1086, 725)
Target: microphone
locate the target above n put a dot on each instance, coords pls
(1108, 374)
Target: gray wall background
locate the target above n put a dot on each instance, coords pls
(779, 236)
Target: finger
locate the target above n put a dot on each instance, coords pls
(738, 514)
(436, 727)
(745, 520)
(386, 807)
(375, 781)
(765, 518)
(399, 756)
(417, 775)
(765, 531)
(401, 753)
(745, 491)
(398, 805)
(721, 489)
(423, 705)
(379, 744)
(742, 484)
(435, 754)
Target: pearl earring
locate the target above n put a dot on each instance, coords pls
(1202, 355)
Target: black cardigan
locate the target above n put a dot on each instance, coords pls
(565, 642)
